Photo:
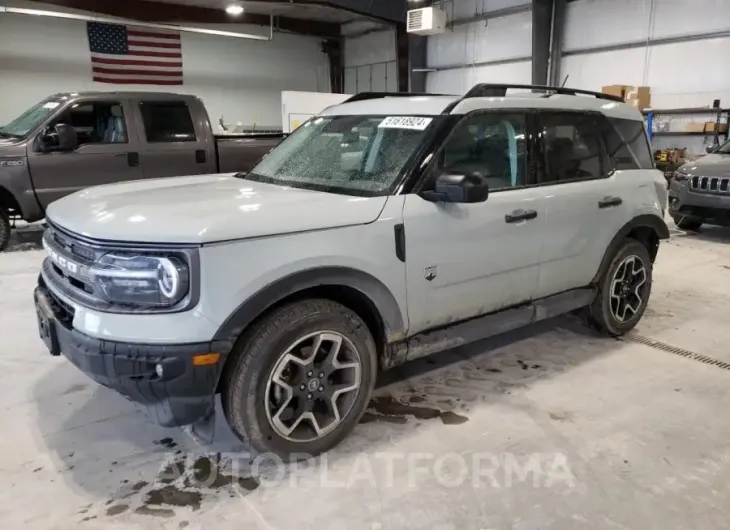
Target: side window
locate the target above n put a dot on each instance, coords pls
(492, 144)
(167, 121)
(96, 122)
(627, 145)
(573, 147)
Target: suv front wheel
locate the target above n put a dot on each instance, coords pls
(623, 290)
(301, 379)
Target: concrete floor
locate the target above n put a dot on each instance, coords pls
(551, 427)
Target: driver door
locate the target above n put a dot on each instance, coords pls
(466, 260)
(107, 151)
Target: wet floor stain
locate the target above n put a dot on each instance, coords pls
(184, 482)
(167, 443)
(390, 410)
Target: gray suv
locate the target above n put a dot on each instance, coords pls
(700, 191)
(383, 230)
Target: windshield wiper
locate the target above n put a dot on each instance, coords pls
(7, 134)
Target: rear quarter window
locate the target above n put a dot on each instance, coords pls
(627, 144)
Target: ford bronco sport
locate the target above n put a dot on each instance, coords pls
(383, 230)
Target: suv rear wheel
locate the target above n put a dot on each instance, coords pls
(623, 290)
(301, 379)
(685, 223)
(5, 229)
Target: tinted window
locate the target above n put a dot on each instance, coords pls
(167, 122)
(627, 144)
(96, 122)
(491, 144)
(572, 144)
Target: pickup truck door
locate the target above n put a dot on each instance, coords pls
(107, 152)
(586, 203)
(465, 260)
(176, 138)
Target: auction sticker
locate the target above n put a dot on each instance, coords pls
(415, 123)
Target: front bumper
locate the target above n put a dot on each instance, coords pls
(183, 394)
(711, 208)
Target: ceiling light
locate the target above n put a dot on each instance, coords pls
(235, 10)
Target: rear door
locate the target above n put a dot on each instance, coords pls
(173, 142)
(586, 204)
(107, 152)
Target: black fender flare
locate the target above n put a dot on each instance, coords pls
(378, 294)
(653, 222)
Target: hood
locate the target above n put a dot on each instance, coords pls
(713, 165)
(205, 209)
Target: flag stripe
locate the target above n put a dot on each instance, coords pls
(154, 35)
(113, 58)
(137, 81)
(136, 71)
(149, 43)
(136, 62)
(144, 53)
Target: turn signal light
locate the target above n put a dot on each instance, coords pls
(206, 359)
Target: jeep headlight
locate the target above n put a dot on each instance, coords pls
(142, 280)
(680, 175)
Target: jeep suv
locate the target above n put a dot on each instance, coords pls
(383, 230)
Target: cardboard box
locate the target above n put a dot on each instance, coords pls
(639, 97)
(695, 127)
(710, 127)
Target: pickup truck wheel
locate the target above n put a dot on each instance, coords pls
(623, 291)
(301, 379)
(4, 230)
(685, 223)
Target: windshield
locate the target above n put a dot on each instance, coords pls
(30, 119)
(353, 155)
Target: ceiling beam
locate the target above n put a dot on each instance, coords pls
(393, 11)
(158, 12)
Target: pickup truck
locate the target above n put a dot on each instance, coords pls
(76, 140)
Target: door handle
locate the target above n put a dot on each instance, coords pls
(201, 156)
(520, 215)
(133, 159)
(610, 202)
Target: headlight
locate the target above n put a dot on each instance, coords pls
(141, 280)
(679, 176)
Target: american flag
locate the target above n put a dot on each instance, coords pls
(130, 55)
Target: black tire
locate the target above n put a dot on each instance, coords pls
(5, 230)
(601, 313)
(685, 223)
(245, 392)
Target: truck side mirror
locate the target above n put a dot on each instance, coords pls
(63, 137)
(455, 187)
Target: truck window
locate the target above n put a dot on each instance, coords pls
(572, 144)
(492, 144)
(167, 121)
(96, 122)
(627, 145)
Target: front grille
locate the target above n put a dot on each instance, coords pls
(710, 184)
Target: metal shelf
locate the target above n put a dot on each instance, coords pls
(694, 110)
(686, 133)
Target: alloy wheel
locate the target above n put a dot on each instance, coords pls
(313, 386)
(628, 288)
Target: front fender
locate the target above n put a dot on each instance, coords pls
(15, 182)
(378, 294)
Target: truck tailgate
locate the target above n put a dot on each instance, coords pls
(242, 152)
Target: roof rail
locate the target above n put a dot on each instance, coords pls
(488, 90)
(362, 96)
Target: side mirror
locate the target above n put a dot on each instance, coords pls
(68, 140)
(62, 137)
(454, 187)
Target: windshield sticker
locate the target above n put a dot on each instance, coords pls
(415, 123)
(51, 105)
